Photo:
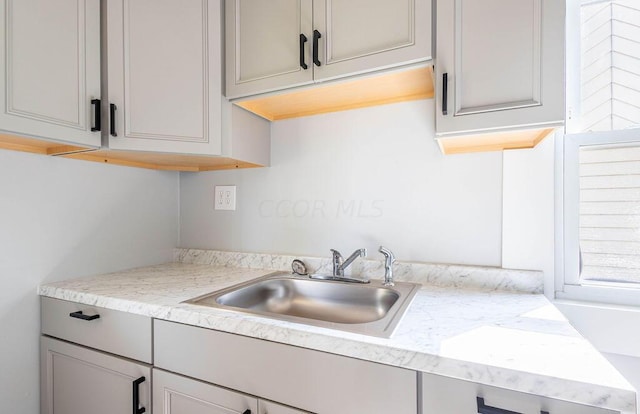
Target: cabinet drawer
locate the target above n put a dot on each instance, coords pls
(442, 395)
(112, 331)
(315, 381)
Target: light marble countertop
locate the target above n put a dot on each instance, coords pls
(507, 339)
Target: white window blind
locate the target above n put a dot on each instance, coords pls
(610, 213)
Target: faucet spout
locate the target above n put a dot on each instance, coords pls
(339, 265)
(354, 256)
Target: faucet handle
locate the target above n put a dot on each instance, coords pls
(388, 254)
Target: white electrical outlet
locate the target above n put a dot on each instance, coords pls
(225, 197)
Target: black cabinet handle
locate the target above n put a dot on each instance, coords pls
(445, 78)
(80, 315)
(316, 36)
(486, 409)
(97, 116)
(136, 396)
(303, 40)
(112, 120)
(247, 412)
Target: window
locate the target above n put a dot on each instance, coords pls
(609, 230)
(601, 157)
(602, 217)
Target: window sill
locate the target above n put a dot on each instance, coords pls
(601, 295)
(610, 328)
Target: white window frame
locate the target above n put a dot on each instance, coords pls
(568, 284)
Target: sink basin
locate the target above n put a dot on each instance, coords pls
(371, 309)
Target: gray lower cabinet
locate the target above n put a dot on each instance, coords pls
(203, 371)
(442, 395)
(94, 372)
(278, 44)
(78, 380)
(315, 381)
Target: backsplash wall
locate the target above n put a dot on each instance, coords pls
(355, 179)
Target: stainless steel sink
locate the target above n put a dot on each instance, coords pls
(371, 309)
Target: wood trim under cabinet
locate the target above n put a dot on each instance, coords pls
(156, 161)
(495, 141)
(37, 146)
(392, 87)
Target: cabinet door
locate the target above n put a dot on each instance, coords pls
(364, 35)
(264, 43)
(504, 63)
(50, 69)
(164, 75)
(78, 380)
(174, 394)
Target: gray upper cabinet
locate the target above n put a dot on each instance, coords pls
(286, 43)
(263, 45)
(364, 35)
(50, 69)
(164, 75)
(503, 61)
(158, 66)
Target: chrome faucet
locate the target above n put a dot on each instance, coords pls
(389, 258)
(339, 265)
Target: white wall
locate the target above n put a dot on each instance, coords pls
(355, 179)
(528, 210)
(61, 219)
